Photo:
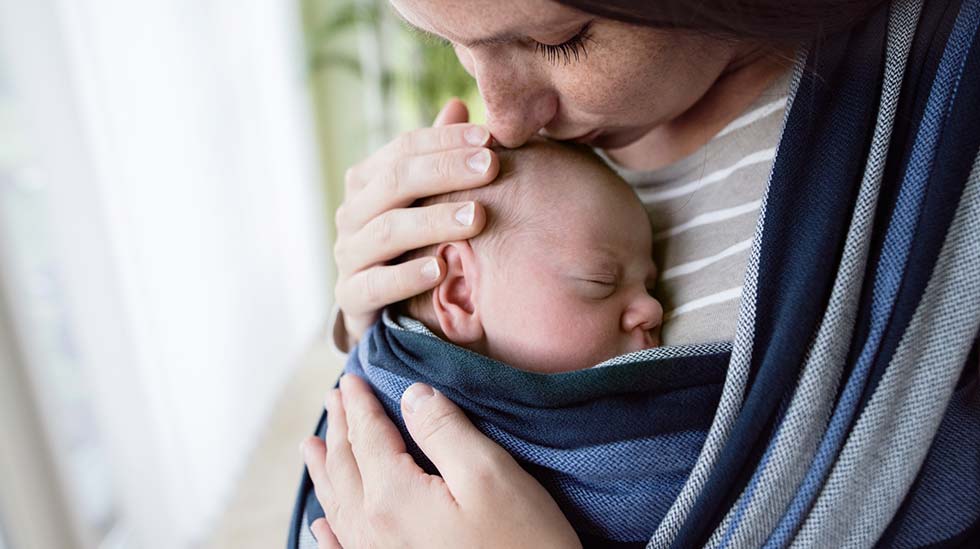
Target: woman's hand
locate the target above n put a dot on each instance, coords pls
(375, 495)
(375, 224)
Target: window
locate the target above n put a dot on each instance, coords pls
(163, 258)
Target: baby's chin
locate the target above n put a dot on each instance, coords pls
(552, 366)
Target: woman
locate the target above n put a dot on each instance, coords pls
(818, 367)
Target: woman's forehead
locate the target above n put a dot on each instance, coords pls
(486, 22)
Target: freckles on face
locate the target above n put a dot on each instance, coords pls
(634, 79)
(498, 42)
(622, 79)
(623, 65)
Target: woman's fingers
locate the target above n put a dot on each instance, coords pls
(325, 538)
(375, 441)
(420, 142)
(453, 112)
(315, 458)
(460, 451)
(342, 470)
(414, 177)
(439, 138)
(403, 506)
(450, 156)
(395, 231)
(374, 288)
(363, 294)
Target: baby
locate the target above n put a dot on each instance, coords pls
(558, 281)
(566, 251)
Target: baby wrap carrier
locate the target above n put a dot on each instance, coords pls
(847, 410)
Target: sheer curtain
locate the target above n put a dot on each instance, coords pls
(174, 264)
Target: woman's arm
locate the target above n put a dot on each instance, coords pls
(375, 495)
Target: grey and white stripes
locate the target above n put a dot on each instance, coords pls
(703, 210)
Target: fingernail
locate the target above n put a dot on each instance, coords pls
(416, 395)
(476, 135)
(479, 162)
(431, 270)
(465, 214)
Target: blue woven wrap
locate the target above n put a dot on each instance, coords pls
(846, 412)
(612, 444)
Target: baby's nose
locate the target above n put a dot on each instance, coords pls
(645, 313)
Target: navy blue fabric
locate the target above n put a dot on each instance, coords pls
(613, 445)
(941, 199)
(949, 480)
(775, 369)
(951, 474)
(814, 183)
(935, 24)
(954, 460)
(959, 143)
(305, 501)
(893, 269)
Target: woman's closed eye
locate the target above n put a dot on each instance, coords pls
(572, 49)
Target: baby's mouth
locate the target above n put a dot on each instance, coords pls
(648, 340)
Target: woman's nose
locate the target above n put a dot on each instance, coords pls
(517, 103)
(644, 313)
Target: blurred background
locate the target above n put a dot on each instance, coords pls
(168, 172)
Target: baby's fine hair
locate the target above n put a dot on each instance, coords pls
(504, 200)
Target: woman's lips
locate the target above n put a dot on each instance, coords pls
(584, 138)
(587, 138)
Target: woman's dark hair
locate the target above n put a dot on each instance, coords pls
(770, 20)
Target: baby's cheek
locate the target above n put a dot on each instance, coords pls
(575, 338)
(540, 327)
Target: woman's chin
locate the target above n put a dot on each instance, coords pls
(618, 139)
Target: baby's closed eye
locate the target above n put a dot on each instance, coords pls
(597, 288)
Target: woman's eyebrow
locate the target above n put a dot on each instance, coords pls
(494, 40)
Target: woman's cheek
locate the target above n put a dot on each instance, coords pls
(600, 86)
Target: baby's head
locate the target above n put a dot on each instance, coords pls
(559, 278)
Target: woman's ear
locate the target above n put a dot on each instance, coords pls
(454, 300)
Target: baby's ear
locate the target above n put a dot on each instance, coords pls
(454, 300)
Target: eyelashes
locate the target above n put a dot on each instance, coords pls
(572, 49)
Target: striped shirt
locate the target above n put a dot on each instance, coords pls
(704, 209)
